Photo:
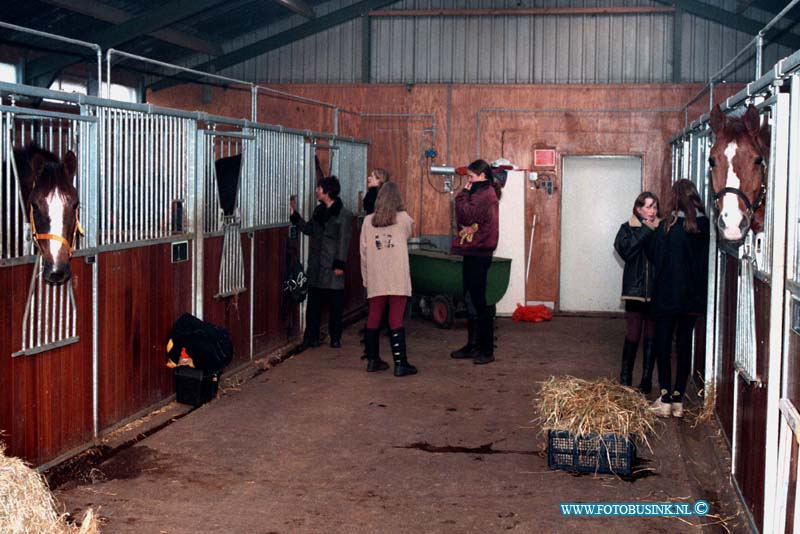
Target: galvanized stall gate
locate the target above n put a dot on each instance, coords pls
(81, 358)
(749, 351)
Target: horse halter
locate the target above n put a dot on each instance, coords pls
(750, 208)
(37, 236)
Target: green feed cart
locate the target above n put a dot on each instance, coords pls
(436, 283)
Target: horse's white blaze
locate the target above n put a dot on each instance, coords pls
(55, 208)
(731, 213)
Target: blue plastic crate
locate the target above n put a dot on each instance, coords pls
(588, 454)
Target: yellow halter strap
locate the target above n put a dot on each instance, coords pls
(38, 237)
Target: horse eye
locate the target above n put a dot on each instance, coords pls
(759, 160)
(712, 162)
(75, 204)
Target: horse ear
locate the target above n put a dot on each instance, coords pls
(37, 164)
(717, 119)
(752, 120)
(70, 164)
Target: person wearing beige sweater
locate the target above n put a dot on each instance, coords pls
(387, 277)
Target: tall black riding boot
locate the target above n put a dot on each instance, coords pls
(470, 350)
(401, 365)
(628, 357)
(485, 341)
(372, 350)
(648, 362)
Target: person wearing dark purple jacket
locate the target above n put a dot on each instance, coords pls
(477, 215)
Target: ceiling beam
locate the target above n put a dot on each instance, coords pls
(43, 70)
(300, 7)
(732, 20)
(113, 15)
(771, 6)
(279, 40)
(742, 5)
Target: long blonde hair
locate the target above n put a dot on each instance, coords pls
(388, 203)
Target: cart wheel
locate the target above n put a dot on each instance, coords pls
(443, 311)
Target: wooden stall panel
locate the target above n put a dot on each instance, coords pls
(232, 313)
(752, 414)
(275, 316)
(724, 393)
(699, 372)
(141, 294)
(10, 306)
(750, 454)
(762, 305)
(46, 397)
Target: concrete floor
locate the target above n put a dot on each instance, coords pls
(316, 445)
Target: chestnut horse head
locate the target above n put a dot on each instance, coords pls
(51, 205)
(738, 161)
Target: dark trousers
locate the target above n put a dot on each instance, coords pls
(475, 272)
(314, 310)
(683, 328)
(474, 275)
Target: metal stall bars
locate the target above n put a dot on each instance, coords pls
(350, 165)
(227, 148)
(280, 165)
(143, 188)
(50, 318)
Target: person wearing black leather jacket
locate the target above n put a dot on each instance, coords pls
(637, 288)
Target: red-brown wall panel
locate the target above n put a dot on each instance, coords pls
(724, 393)
(275, 319)
(232, 313)
(46, 397)
(141, 293)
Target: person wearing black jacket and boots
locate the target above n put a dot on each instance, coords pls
(679, 253)
(375, 181)
(329, 229)
(477, 214)
(637, 286)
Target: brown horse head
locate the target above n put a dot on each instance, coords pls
(738, 161)
(51, 203)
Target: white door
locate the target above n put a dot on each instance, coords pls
(511, 243)
(597, 195)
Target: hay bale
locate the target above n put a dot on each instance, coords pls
(593, 408)
(27, 506)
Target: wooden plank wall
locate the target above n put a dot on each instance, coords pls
(46, 402)
(752, 414)
(232, 313)
(141, 294)
(724, 393)
(699, 371)
(274, 318)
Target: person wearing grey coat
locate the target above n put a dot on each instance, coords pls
(329, 229)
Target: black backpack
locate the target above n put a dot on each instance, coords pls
(208, 345)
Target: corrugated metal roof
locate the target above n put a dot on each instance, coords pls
(534, 48)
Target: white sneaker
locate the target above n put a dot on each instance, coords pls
(661, 408)
(677, 409)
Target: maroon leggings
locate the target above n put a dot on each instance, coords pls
(397, 307)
